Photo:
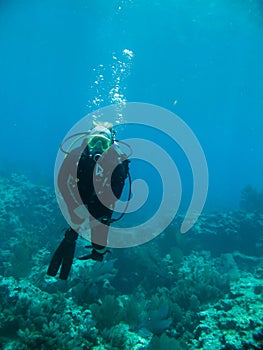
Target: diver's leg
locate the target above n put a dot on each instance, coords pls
(100, 217)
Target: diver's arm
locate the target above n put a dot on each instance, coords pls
(119, 175)
(67, 185)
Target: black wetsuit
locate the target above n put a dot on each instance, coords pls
(114, 167)
(86, 175)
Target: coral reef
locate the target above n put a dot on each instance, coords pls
(235, 321)
(202, 290)
(31, 318)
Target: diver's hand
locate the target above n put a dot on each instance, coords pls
(94, 255)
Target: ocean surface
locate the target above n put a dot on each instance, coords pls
(182, 82)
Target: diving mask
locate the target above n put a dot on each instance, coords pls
(99, 143)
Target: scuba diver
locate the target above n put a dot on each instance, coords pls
(92, 175)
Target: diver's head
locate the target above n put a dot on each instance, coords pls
(99, 140)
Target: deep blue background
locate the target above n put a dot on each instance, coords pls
(206, 54)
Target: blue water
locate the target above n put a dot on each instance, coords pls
(207, 55)
(202, 60)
